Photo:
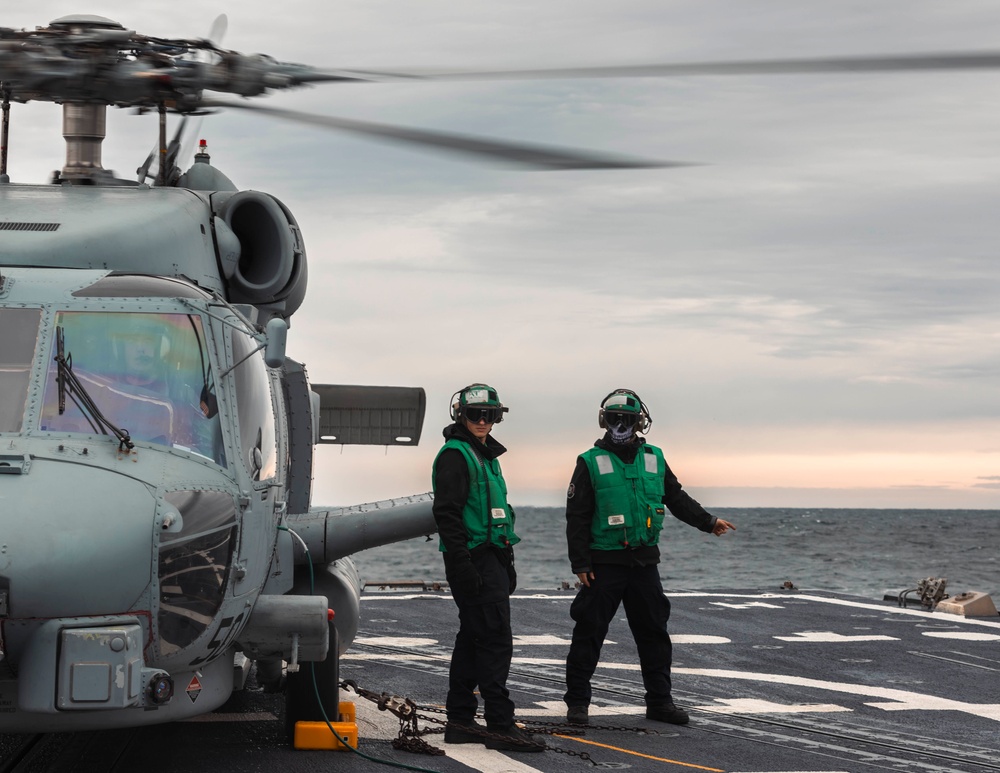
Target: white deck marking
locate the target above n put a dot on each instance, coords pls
(937, 617)
(546, 639)
(383, 726)
(966, 635)
(480, 758)
(676, 638)
(562, 662)
(746, 605)
(830, 636)
(395, 641)
(901, 699)
(754, 706)
(885, 610)
(692, 638)
(381, 657)
(526, 641)
(558, 709)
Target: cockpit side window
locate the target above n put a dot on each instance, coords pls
(254, 408)
(148, 374)
(18, 333)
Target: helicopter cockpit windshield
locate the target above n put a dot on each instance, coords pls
(148, 374)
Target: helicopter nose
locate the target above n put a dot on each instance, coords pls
(77, 540)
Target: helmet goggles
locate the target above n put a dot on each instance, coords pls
(476, 415)
(623, 413)
(476, 403)
(620, 418)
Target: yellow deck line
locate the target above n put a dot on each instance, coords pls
(638, 754)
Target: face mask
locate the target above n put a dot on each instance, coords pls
(621, 434)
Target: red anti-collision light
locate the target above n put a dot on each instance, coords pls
(329, 615)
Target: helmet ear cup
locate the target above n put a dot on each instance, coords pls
(456, 403)
(600, 419)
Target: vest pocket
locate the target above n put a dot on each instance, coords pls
(654, 522)
(652, 487)
(609, 529)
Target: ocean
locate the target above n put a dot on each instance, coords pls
(862, 552)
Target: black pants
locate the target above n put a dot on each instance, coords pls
(483, 645)
(647, 610)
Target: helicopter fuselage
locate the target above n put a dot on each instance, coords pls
(156, 457)
(127, 564)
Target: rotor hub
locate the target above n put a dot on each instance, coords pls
(84, 20)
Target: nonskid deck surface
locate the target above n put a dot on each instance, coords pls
(775, 682)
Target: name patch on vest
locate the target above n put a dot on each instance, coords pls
(616, 520)
(651, 463)
(604, 465)
(498, 513)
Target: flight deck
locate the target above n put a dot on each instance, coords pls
(775, 681)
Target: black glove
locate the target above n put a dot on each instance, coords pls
(465, 576)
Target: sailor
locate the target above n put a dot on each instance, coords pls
(147, 401)
(141, 358)
(476, 529)
(615, 508)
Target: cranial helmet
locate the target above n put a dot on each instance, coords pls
(477, 401)
(625, 407)
(138, 329)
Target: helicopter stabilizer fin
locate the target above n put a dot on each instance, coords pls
(370, 415)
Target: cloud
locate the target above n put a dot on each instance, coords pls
(826, 279)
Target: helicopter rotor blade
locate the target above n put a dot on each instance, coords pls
(537, 157)
(184, 139)
(180, 146)
(218, 29)
(976, 60)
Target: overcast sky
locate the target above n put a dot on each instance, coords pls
(813, 316)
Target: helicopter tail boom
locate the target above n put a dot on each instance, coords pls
(332, 533)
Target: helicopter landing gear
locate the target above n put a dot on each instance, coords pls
(306, 701)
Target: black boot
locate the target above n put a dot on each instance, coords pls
(577, 715)
(667, 713)
(463, 732)
(514, 740)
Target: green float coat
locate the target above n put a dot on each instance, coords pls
(628, 509)
(493, 523)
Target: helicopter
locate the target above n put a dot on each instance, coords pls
(149, 392)
(159, 536)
